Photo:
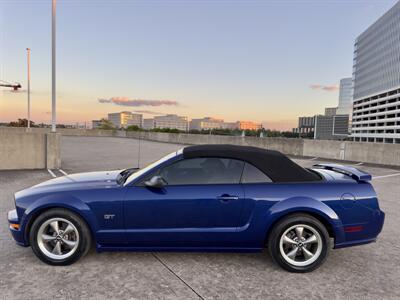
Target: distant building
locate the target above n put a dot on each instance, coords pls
(119, 120)
(248, 125)
(305, 125)
(376, 74)
(172, 122)
(206, 124)
(96, 124)
(230, 125)
(345, 97)
(331, 127)
(136, 120)
(330, 111)
(148, 124)
(334, 124)
(125, 118)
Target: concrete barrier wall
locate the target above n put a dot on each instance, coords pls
(70, 131)
(29, 150)
(290, 146)
(384, 154)
(375, 153)
(324, 148)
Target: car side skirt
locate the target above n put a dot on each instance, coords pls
(177, 249)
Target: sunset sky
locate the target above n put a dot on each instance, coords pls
(265, 61)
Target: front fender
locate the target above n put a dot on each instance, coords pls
(58, 201)
(305, 205)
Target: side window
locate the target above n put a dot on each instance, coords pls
(251, 174)
(207, 170)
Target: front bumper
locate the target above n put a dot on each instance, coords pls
(17, 234)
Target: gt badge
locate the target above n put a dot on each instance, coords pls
(109, 217)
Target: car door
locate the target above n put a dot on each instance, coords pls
(260, 194)
(200, 204)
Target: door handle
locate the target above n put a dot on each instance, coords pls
(226, 197)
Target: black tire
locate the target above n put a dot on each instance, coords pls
(83, 242)
(289, 222)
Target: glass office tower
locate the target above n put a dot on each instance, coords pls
(376, 79)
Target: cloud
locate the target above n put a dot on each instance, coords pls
(125, 101)
(149, 112)
(328, 88)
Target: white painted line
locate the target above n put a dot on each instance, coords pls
(63, 172)
(385, 176)
(359, 164)
(314, 158)
(51, 173)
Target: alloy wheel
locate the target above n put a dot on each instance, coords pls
(300, 245)
(58, 238)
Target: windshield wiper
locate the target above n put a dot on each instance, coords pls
(123, 176)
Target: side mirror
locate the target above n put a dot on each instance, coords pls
(155, 182)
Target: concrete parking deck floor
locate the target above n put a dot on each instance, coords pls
(366, 272)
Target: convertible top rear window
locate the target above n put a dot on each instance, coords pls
(251, 174)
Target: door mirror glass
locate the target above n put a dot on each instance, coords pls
(155, 182)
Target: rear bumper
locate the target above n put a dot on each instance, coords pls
(355, 243)
(368, 234)
(381, 221)
(17, 234)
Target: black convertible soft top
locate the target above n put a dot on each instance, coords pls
(274, 164)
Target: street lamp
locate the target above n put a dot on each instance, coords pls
(53, 67)
(28, 53)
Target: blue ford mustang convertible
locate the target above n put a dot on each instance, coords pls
(202, 198)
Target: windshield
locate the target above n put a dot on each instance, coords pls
(139, 173)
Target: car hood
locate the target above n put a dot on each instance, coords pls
(103, 177)
(67, 184)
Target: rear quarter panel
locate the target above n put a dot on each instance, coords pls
(336, 203)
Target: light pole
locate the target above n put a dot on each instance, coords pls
(53, 67)
(28, 53)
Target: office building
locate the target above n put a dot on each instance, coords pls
(345, 96)
(305, 125)
(230, 125)
(119, 120)
(125, 118)
(148, 124)
(206, 123)
(331, 127)
(330, 111)
(96, 124)
(212, 123)
(172, 122)
(135, 120)
(248, 125)
(376, 76)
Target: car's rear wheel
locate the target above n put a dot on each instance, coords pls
(59, 237)
(299, 243)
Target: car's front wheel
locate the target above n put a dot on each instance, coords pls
(59, 237)
(299, 243)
